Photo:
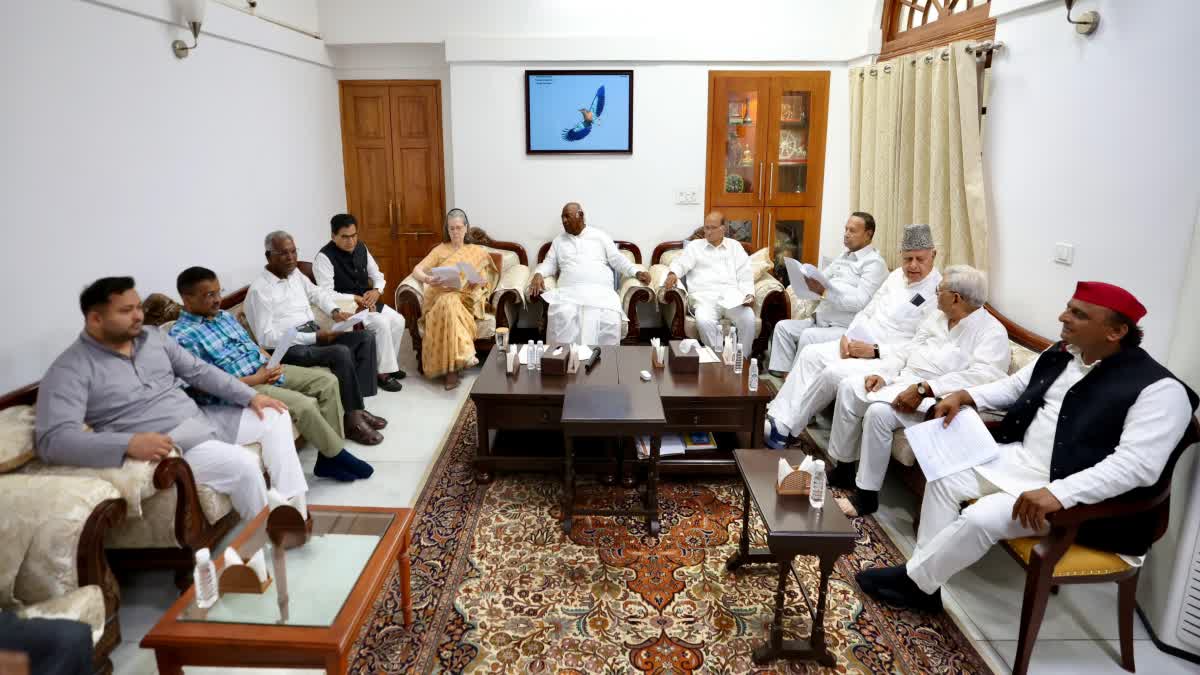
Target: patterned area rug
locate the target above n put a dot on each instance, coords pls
(498, 588)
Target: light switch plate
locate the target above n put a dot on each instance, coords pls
(1064, 254)
(685, 196)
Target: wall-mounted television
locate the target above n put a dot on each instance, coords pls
(578, 111)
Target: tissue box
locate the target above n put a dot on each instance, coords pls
(682, 362)
(556, 364)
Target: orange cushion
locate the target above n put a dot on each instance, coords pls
(1079, 561)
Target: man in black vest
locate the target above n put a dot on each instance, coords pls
(1094, 417)
(345, 267)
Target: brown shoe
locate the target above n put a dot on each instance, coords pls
(374, 421)
(359, 431)
(451, 381)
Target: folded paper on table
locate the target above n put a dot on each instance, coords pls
(707, 355)
(942, 451)
(285, 343)
(671, 444)
(798, 272)
(858, 331)
(889, 393)
(353, 321)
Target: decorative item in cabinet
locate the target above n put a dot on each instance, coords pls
(734, 183)
(792, 145)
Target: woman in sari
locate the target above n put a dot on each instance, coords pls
(448, 314)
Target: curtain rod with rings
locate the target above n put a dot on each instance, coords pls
(976, 48)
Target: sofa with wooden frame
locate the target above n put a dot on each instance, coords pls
(503, 307)
(770, 303)
(631, 292)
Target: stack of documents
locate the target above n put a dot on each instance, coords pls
(798, 272)
(941, 451)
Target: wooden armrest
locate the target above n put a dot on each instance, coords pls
(1109, 508)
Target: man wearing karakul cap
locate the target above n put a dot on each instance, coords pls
(1094, 417)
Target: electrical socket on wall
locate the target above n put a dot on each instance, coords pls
(1064, 253)
(687, 196)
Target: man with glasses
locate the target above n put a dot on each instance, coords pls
(345, 267)
(280, 299)
(960, 346)
(719, 283)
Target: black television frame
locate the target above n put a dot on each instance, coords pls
(529, 149)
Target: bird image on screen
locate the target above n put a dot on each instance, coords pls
(590, 115)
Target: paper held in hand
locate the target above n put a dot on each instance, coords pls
(353, 321)
(861, 333)
(942, 451)
(889, 393)
(797, 272)
(455, 277)
(285, 343)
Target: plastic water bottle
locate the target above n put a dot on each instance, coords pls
(816, 489)
(529, 355)
(539, 349)
(737, 359)
(752, 377)
(205, 578)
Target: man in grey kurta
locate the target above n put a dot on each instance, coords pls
(122, 381)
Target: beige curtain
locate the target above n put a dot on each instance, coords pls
(915, 154)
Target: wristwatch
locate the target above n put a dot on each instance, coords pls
(922, 389)
(876, 350)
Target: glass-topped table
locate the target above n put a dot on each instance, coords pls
(317, 599)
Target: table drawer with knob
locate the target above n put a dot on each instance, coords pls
(525, 416)
(708, 418)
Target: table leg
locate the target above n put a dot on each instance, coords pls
(817, 640)
(406, 580)
(756, 431)
(568, 482)
(168, 664)
(774, 647)
(652, 521)
(740, 558)
(483, 451)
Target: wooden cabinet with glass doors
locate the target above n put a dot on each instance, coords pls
(766, 158)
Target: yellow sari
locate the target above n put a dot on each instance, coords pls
(448, 316)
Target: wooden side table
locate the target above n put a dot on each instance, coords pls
(793, 528)
(612, 410)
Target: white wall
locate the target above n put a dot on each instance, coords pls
(519, 197)
(1093, 141)
(120, 159)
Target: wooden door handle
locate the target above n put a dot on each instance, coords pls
(771, 190)
(760, 180)
(695, 419)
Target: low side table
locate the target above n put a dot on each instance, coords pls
(793, 528)
(612, 410)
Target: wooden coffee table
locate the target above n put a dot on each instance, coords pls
(331, 584)
(793, 528)
(525, 411)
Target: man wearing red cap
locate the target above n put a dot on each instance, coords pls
(1092, 418)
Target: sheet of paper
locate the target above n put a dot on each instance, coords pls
(784, 470)
(861, 333)
(815, 274)
(584, 352)
(285, 343)
(889, 393)
(731, 299)
(470, 273)
(190, 433)
(353, 321)
(796, 276)
(551, 297)
(707, 355)
(450, 277)
(942, 451)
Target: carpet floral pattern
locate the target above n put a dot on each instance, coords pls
(498, 588)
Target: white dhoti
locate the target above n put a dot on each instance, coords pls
(791, 336)
(949, 541)
(387, 327)
(862, 432)
(812, 385)
(709, 312)
(233, 470)
(586, 314)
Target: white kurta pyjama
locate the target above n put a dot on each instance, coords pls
(584, 309)
(386, 326)
(712, 272)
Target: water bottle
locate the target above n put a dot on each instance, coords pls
(529, 356)
(816, 489)
(540, 349)
(737, 359)
(752, 378)
(205, 578)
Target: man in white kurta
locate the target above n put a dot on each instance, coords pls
(719, 283)
(346, 268)
(1017, 490)
(584, 308)
(854, 277)
(959, 346)
(888, 322)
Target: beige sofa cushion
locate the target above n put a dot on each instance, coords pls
(1021, 357)
(82, 604)
(16, 437)
(508, 259)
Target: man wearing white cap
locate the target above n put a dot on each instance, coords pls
(889, 321)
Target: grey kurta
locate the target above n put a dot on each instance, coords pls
(119, 396)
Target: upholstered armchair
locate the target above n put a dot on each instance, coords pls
(631, 292)
(52, 562)
(503, 308)
(770, 304)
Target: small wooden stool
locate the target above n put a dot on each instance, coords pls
(606, 411)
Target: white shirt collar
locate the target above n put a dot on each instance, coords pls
(1078, 354)
(710, 244)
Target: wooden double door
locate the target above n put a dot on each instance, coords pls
(395, 187)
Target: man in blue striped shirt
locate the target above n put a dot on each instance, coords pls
(311, 394)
